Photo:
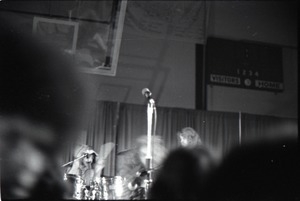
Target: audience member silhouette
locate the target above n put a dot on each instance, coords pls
(41, 105)
(263, 171)
(182, 174)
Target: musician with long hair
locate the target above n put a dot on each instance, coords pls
(188, 137)
(87, 164)
(133, 167)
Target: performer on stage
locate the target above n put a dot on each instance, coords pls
(84, 176)
(185, 169)
(88, 164)
(132, 166)
(42, 103)
(189, 138)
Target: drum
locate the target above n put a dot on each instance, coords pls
(75, 186)
(92, 191)
(138, 194)
(112, 188)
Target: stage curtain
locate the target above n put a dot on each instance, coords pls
(122, 123)
(102, 129)
(132, 124)
(261, 127)
(218, 130)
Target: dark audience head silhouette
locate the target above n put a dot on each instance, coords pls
(41, 106)
(264, 171)
(182, 174)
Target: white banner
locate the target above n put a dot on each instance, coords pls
(173, 20)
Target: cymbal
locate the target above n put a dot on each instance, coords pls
(105, 149)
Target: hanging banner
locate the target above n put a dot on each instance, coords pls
(173, 20)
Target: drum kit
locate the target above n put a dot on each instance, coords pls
(111, 188)
(102, 188)
(106, 188)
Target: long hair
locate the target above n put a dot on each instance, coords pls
(190, 133)
(159, 151)
(82, 149)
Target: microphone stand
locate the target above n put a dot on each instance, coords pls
(150, 110)
(73, 160)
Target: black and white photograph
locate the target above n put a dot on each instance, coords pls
(149, 100)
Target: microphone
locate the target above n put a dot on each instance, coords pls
(147, 93)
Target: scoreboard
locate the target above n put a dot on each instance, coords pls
(244, 64)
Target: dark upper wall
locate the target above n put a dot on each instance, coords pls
(272, 22)
(268, 22)
(166, 65)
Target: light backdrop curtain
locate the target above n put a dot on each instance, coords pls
(259, 127)
(102, 129)
(123, 123)
(132, 124)
(218, 130)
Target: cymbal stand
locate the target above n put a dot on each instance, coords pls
(74, 160)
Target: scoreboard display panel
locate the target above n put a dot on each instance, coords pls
(244, 64)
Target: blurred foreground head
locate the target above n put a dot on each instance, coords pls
(266, 170)
(41, 105)
(182, 174)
